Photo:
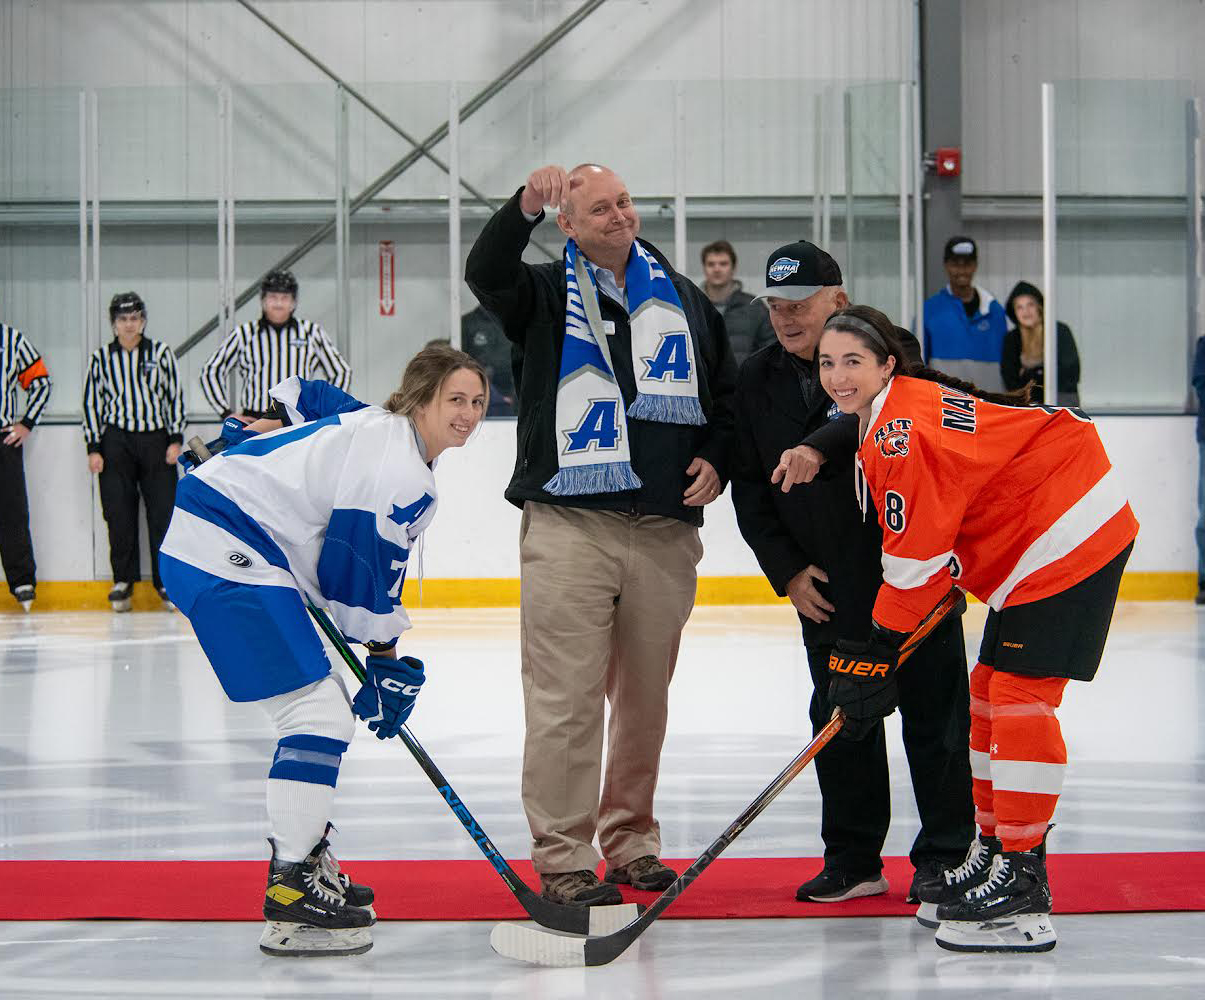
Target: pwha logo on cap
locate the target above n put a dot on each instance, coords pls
(782, 269)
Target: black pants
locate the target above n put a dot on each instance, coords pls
(854, 782)
(16, 547)
(135, 462)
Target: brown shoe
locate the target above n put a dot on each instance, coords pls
(644, 873)
(578, 889)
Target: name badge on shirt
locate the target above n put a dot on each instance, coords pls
(609, 327)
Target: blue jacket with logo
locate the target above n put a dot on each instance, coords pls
(966, 347)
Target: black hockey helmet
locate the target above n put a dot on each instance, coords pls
(126, 302)
(278, 281)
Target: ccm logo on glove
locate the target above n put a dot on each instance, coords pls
(398, 687)
(858, 668)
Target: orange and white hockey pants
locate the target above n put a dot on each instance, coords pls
(1018, 756)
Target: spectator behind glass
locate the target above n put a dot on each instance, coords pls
(482, 338)
(1198, 383)
(964, 324)
(747, 321)
(1023, 351)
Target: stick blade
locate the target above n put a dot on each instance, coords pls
(525, 944)
(608, 919)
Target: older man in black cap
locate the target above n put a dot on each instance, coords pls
(815, 547)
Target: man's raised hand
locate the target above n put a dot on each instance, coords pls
(548, 185)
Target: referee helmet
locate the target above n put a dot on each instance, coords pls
(278, 281)
(126, 302)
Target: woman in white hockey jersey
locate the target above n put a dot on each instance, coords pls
(322, 505)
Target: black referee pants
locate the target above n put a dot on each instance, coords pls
(854, 782)
(16, 547)
(135, 462)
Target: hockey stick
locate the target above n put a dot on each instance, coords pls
(557, 916)
(539, 948)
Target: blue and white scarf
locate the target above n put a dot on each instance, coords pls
(592, 429)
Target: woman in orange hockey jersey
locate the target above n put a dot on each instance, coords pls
(1018, 505)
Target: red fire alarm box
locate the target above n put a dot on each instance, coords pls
(947, 161)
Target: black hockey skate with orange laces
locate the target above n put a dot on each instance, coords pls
(307, 913)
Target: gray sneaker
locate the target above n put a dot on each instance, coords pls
(578, 889)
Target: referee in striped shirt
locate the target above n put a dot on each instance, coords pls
(271, 349)
(21, 366)
(134, 429)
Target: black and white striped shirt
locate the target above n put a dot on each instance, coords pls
(266, 356)
(136, 390)
(21, 367)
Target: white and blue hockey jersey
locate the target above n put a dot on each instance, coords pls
(330, 505)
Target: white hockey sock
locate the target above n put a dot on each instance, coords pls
(298, 811)
(315, 726)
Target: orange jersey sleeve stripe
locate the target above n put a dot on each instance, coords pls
(35, 371)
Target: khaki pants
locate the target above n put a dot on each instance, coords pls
(604, 597)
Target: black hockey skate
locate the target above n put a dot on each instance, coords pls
(1008, 912)
(354, 893)
(949, 885)
(307, 914)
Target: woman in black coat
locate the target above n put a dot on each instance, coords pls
(1021, 355)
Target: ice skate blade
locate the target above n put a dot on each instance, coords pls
(289, 940)
(926, 916)
(1028, 932)
(121, 606)
(27, 605)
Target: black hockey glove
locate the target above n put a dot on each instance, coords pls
(862, 681)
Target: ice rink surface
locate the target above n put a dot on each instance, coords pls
(117, 743)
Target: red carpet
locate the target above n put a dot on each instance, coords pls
(469, 890)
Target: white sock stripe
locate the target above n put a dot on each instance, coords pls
(1013, 831)
(1027, 709)
(983, 819)
(981, 707)
(981, 765)
(1027, 776)
(309, 757)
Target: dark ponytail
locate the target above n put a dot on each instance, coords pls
(886, 344)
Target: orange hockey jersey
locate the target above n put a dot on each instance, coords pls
(1012, 504)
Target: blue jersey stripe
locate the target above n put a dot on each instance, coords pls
(357, 566)
(198, 497)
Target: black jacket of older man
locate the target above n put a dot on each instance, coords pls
(529, 301)
(780, 404)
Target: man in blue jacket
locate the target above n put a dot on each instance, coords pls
(964, 324)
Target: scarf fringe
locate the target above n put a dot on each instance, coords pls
(609, 477)
(667, 409)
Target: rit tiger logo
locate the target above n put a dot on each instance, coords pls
(892, 437)
(856, 668)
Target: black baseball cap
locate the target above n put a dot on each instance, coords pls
(961, 246)
(798, 271)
